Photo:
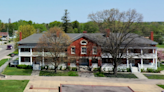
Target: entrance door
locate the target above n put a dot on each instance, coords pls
(132, 61)
(84, 62)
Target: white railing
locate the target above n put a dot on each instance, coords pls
(139, 67)
(25, 53)
(131, 67)
(25, 63)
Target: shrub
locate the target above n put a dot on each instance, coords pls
(60, 67)
(143, 70)
(150, 70)
(123, 70)
(74, 69)
(9, 41)
(42, 67)
(5, 42)
(24, 66)
(128, 70)
(68, 67)
(72, 73)
(99, 74)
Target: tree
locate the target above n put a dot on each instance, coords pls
(55, 23)
(118, 27)
(54, 42)
(91, 27)
(26, 30)
(75, 24)
(41, 27)
(66, 23)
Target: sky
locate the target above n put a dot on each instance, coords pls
(45, 11)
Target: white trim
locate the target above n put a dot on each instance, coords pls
(83, 43)
(83, 47)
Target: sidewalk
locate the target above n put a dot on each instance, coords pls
(140, 75)
(35, 73)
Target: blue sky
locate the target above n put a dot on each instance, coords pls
(46, 11)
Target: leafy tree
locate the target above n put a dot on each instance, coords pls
(75, 24)
(55, 23)
(41, 27)
(26, 30)
(91, 27)
(66, 23)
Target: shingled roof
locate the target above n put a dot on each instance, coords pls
(74, 36)
(3, 33)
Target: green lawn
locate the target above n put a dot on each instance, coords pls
(152, 76)
(161, 67)
(119, 75)
(59, 73)
(162, 86)
(160, 46)
(3, 61)
(15, 52)
(13, 85)
(16, 71)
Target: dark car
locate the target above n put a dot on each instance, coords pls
(9, 47)
(14, 63)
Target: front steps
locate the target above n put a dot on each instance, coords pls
(134, 70)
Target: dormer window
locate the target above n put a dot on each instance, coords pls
(83, 42)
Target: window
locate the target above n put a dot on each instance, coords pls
(72, 50)
(25, 59)
(83, 50)
(25, 49)
(83, 42)
(94, 50)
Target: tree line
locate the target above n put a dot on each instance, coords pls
(77, 27)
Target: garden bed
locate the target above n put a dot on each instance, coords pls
(58, 73)
(119, 75)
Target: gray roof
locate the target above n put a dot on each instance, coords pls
(74, 36)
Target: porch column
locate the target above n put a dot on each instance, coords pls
(156, 63)
(141, 52)
(141, 62)
(31, 51)
(153, 62)
(19, 60)
(99, 61)
(19, 55)
(31, 60)
(153, 51)
(43, 61)
(127, 62)
(43, 57)
(90, 61)
(77, 62)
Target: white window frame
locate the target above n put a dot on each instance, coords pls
(72, 51)
(83, 43)
(94, 49)
(82, 51)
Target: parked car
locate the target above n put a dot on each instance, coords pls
(14, 63)
(9, 47)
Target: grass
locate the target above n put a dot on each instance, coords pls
(15, 52)
(160, 46)
(16, 71)
(13, 85)
(3, 61)
(61, 73)
(152, 76)
(161, 67)
(119, 75)
(162, 86)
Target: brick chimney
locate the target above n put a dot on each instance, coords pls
(107, 32)
(20, 36)
(84, 31)
(151, 36)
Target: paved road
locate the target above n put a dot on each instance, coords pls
(4, 52)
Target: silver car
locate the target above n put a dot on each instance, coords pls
(14, 63)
